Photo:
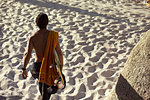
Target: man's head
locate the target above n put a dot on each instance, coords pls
(42, 20)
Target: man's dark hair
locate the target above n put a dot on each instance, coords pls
(42, 20)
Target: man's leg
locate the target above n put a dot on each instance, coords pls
(43, 90)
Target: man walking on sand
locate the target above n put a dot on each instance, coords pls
(44, 42)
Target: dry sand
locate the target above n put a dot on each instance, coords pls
(96, 37)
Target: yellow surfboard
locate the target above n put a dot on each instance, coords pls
(63, 81)
(147, 4)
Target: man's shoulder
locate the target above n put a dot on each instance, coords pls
(32, 36)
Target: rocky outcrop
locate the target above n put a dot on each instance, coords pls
(134, 80)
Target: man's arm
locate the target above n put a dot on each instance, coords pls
(28, 52)
(60, 56)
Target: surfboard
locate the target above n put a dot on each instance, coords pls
(147, 3)
(62, 83)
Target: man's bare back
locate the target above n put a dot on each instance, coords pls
(39, 43)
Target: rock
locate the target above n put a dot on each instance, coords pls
(134, 80)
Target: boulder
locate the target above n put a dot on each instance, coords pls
(134, 80)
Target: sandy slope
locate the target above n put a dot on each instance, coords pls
(96, 37)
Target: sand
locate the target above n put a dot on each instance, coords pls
(96, 37)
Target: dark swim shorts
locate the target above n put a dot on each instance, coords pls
(36, 69)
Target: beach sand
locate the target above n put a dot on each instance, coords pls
(96, 37)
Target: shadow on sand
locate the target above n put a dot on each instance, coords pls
(11, 97)
(125, 91)
(57, 6)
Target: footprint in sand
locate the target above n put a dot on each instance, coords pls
(109, 86)
(80, 95)
(71, 23)
(71, 81)
(108, 73)
(102, 39)
(69, 74)
(95, 59)
(71, 42)
(105, 60)
(11, 75)
(113, 49)
(88, 48)
(95, 30)
(112, 55)
(32, 89)
(82, 88)
(4, 57)
(82, 43)
(80, 59)
(79, 75)
(122, 27)
(86, 29)
(103, 49)
(5, 84)
(90, 81)
(70, 46)
(18, 56)
(71, 91)
(1, 67)
(121, 51)
(69, 37)
(70, 98)
(101, 91)
(14, 61)
(100, 65)
(92, 69)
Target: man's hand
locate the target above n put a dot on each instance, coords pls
(24, 74)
